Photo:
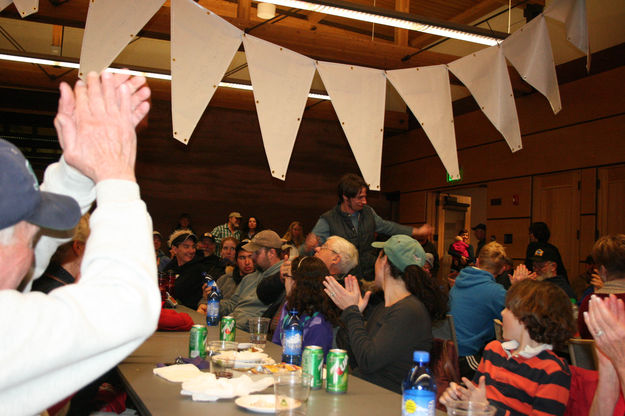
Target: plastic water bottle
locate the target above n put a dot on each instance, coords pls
(292, 339)
(419, 388)
(212, 302)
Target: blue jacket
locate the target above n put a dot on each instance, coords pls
(475, 300)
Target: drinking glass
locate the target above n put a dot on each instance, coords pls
(291, 390)
(469, 408)
(258, 331)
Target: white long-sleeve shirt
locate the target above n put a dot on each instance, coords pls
(51, 345)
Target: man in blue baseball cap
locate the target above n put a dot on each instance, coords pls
(52, 345)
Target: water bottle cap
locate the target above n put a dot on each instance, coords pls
(421, 357)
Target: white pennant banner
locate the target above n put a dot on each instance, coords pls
(24, 7)
(358, 95)
(427, 93)
(486, 76)
(202, 46)
(281, 79)
(110, 26)
(4, 4)
(529, 51)
(573, 14)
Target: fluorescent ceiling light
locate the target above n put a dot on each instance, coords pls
(395, 19)
(156, 75)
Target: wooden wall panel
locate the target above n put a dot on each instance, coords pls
(611, 200)
(588, 191)
(586, 235)
(542, 153)
(582, 100)
(412, 207)
(556, 202)
(224, 168)
(517, 228)
(513, 195)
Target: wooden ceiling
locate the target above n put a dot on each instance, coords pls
(315, 35)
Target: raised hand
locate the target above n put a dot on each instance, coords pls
(98, 139)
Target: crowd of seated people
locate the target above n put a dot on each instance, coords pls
(266, 275)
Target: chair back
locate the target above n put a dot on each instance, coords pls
(445, 329)
(498, 330)
(444, 365)
(583, 354)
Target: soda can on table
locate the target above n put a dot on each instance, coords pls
(197, 341)
(227, 328)
(312, 364)
(336, 371)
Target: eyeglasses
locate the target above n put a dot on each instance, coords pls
(325, 246)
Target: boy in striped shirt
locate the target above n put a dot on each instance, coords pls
(523, 376)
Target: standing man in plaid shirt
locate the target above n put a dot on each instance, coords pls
(229, 229)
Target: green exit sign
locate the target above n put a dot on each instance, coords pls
(450, 180)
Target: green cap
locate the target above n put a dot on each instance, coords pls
(402, 251)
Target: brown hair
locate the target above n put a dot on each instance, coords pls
(544, 309)
(349, 186)
(288, 236)
(307, 295)
(236, 242)
(424, 288)
(492, 257)
(609, 252)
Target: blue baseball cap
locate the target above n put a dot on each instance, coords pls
(22, 200)
(402, 251)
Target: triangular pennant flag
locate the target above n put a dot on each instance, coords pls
(358, 95)
(4, 4)
(24, 7)
(110, 26)
(281, 79)
(529, 51)
(202, 46)
(573, 14)
(486, 76)
(427, 93)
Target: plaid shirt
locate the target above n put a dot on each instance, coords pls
(222, 231)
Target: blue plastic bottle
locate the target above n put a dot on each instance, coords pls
(292, 339)
(419, 388)
(212, 302)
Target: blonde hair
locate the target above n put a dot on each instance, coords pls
(82, 230)
(492, 257)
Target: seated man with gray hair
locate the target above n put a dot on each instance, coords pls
(339, 255)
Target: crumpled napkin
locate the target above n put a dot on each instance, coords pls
(178, 372)
(206, 387)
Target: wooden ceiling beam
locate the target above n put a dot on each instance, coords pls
(402, 35)
(323, 43)
(479, 10)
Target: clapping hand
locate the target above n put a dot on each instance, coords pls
(606, 322)
(470, 392)
(521, 273)
(96, 121)
(347, 296)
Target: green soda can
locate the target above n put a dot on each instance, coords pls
(312, 364)
(227, 328)
(336, 366)
(197, 341)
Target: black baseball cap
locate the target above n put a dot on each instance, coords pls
(544, 252)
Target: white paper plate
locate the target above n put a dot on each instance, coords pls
(262, 403)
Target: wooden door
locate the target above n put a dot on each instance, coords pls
(556, 201)
(611, 200)
(451, 219)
